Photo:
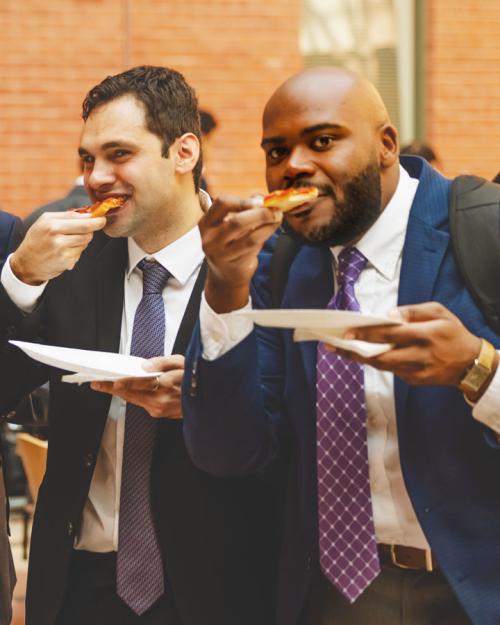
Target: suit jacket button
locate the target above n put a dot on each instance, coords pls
(70, 528)
(89, 460)
(11, 331)
(193, 386)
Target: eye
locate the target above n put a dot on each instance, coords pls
(274, 154)
(87, 160)
(322, 142)
(119, 154)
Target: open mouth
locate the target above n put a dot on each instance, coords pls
(118, 209)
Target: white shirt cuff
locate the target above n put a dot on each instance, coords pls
(221, 332)
(24, 296)
(487, 409)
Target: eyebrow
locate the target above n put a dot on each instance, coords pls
(277, 140)
(106, 146)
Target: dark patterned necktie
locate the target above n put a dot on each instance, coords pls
(139, 565)
(348, 549)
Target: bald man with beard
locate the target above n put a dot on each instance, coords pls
(392, 500)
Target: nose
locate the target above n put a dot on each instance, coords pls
(101, 175)
(299, 164)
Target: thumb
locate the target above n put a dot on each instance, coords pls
(164, 363)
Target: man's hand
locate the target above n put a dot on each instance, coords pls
(53, 244)
(160, 396)
(233, 232)
(433, 347)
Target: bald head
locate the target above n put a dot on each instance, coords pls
(329, 128)
(341, 88)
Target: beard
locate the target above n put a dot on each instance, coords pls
(353, 216)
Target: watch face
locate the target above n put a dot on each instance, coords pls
(475, 378)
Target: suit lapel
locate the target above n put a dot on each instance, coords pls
(310, 286)
(426, 242)
(191, 313)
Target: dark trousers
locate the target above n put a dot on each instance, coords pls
(91, 599)
(396, 597)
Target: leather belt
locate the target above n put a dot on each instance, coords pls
(407, 557)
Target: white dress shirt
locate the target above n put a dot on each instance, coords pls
(183, 259)
(377, 292)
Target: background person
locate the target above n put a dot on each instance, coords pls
(208, 124)
(424, 150)
(75, 198)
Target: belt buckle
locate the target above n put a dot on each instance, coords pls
(428, 560)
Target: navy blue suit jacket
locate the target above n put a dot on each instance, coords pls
(259, 399)
(10, 234)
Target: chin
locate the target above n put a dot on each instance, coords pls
(115, 229)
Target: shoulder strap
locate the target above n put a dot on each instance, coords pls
(284, 253)
(475, 232)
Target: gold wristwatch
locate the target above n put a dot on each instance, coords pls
(480, 370)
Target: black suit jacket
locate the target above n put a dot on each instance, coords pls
(76, 197)
(10, 236)
(217, 558)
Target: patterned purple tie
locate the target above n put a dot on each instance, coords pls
(139, 565)
(348, 550)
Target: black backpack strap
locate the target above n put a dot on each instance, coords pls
(475, 232)
(285, 251)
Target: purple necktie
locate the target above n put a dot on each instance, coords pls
(139, 575)
(348, 550)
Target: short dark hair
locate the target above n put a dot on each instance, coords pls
(170, 103)
(207, 121)
(420, 149)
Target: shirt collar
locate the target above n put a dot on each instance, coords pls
(181, 257)
(383, 244)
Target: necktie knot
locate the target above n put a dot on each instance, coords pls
(154, 276)
(351, 263)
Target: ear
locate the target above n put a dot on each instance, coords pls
(186, 152)
(389, 145)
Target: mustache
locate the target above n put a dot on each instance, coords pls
(323, 189)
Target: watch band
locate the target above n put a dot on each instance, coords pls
(480, 370)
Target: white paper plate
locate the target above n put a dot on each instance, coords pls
(100, 365)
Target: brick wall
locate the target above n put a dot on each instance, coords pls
(463, 84)
(234, 52)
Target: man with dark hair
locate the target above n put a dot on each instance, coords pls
(392, 499)
(10, 235)
(126, 530)
(150, 86)
(424, 150)
(207, 122)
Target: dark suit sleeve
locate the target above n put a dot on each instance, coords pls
(233, 406)
(19, 374)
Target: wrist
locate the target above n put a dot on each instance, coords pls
(224, 297)
(22, 271)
